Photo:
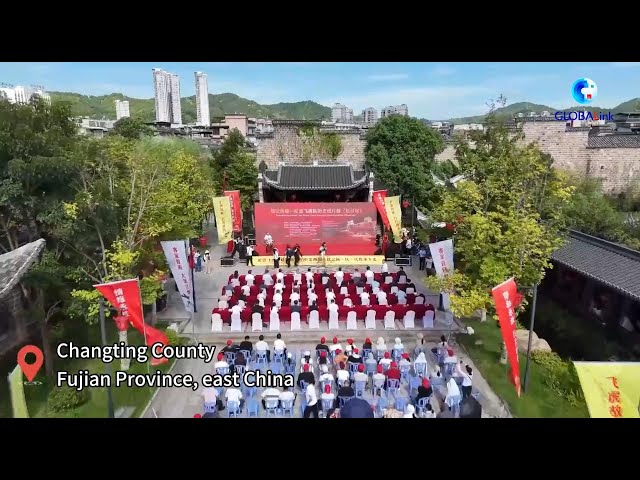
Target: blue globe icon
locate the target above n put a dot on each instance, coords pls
(584, 91)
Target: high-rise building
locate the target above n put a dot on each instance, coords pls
(122, 109)
(19, 94)
(166, 88)
(341, 113)
(202, 99)
(395, 110)
(369, 116)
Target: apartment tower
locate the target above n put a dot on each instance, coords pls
(122, 109)
(166, 88)
(202, 99)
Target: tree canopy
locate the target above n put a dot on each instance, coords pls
(400, 152)
(131, 128)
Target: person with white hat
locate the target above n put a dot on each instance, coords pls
(207, 261)
(409, 412)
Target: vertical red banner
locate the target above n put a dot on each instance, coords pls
(236, 210)
(378, 199)
(505, 296)
(125, 296)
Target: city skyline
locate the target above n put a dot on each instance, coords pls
(431, 90)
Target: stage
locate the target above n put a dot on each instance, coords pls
(349, 230)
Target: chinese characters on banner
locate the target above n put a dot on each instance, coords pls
(176, 256)
(224, 222)
(236, 209)
(503, 296)
(329, 261)
(379, 200)
(611, 389)
(394, 216)
(124, 296)
(442, 256)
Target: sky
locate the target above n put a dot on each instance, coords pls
(431, 90)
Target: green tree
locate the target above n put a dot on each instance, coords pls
(242, 174)
(233, 144)
(132, 128)
(332, 145)
(400, 152)
(509, 217)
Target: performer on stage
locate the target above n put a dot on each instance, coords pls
(323, 253)
(276, 258)
(268, 242)
(297, 255)
(288, 255)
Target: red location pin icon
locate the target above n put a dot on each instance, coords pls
(30, 370)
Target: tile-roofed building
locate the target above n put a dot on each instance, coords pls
(315, 177)
(630, 140)
(14, 321)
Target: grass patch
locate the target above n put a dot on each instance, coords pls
(548, 381)
(96, 406)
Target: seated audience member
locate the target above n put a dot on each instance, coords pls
(294, 297)
(327, 396)
(257, 308)
(305, 376)
(335, 346)
(246, 344)
(309, 275)
(340, 360)
(409, 412)
(262, 346)
(356, 278)
(270, 394)
(322, 345)
(342, 376)
(367, 344)
(211, 398)
(325, 374)
(424, 390)
(245, 289)
(322, 359)
(280, 276)
(355, 357)
(223, 304)
(277, 299)
(379, 380)
(385, 267)
(229, 289)
(398, 344)
(429, 413)
(370, 361)
(234, 394)
(311, 297)
(230, 347)
(451, 357)
(360, 376)
(249, 277)
(279, 345)
(295, 308)
(404, 361)
(410, 284)
(236, 309)
(313, 307)
(368, 275)
(221, 363)
(401, 273)
(349, 348)
(290, 363)
(386, 360)
(393, 373)
(364, 298)
(382, 297)
(306, 358)
(339, 275)
(380, 346)
(267, 279)
(346, 390)
(421, 345)
(240, 360)
(287, 395)
(402, 297)
(331, 299)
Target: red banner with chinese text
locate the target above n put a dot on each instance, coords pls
(236, 209)
(378, 199)
(504, 296)
(125, 296)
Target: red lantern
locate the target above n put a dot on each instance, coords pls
(450, 226)
(203, 241)
(405, 204)
(197, 415)
(122, 323)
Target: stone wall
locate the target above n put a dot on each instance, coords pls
(14, 318)
(286, 145)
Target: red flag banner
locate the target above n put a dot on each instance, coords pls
(125, 296)
(504, 296)
(378, 199)
(236, 210)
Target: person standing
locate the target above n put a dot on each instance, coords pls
(312, 401)
(198, 261)
(323, 253)
(288, 254)
(297, 255)
(249, 255)
(276, 258)
(422, 253)
(207, 261)
(385, 244)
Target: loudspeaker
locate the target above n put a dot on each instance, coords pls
(402, 261)
(227, 261)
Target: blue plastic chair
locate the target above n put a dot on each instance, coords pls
(276, 368)
(365, 353)
(222, 371)
(385, 367)
(303, 387)
(286, 407)
(240, 369)
(271, 405)
(421, 405)
(233, 409)
(326, 406)
(396, 354)
(220, 391)
(253, 408)
(393, 386)
(401, 403)
(404, 372)
(370, 368)
(414, 383)
(210, 407)
(246, 354)
(249, 392)
(344, 400)
(382, 404)
(420, 368)
(290, 368)
(261, 358)
(324, 383)
(454, 404)
(230, 357)
(278, 357)
(359, 388)
(353, 368)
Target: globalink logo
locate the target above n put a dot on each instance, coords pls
(584, 91)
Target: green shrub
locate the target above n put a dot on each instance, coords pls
(561, 376)
(63, 399)
(172, 337)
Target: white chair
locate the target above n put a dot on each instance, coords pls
(216, 322)
(375, 290)
(256, 322)
(402, 280)
(333, 320)
(314, 320)
(274, 320)
(370, 320)
(427, 320)
(236, 322)
(383, 301)
(297, 277)
(410, 291)
(394, 290)
(359, 290)
(390, 320)
(235, 282)
(249, 283)
(347, 302)
(295, 321)
(388, 279)
(410, 319)
(278, 303)
(352, 322)
(325, 280)
(223, 305)
(402, 300)
(419, 301)
(365, 301)
(344, 291)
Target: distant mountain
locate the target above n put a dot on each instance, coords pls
(104, 107)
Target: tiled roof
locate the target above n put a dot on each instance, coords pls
(614, 141)
(315, 177)
(16, 263)
(613, 265)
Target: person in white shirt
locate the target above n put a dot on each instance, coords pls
(277, 298)
(335, 345)
(309, 276)
(287, 395)
(249, 255)
(306, 360)
(210, 395)
(295, 295)
(280, 276)
(451, 357)
(220, 364)
(312, 401)
(364, 298)
(342, 375)
(452, 390)
(222, 303)
(404, 361)
(369, 275)
(379, 380)
(402, 297)
(326, 375)
(382, 297)
(267, 279)
(409, 412)
(333, 306)
(236, 309)
(261, 298)
(246, 290)
(467, 379)
(398, 346)
(330, 295)
(385, 268)
(249, 277)
(327, 396)
(279, 345)
(339, 276)
(234, 395)
(311, 295)
(380, 345)
(386, 360)
(262, 346)
(270, 394)
(278, 287)
(360, 376)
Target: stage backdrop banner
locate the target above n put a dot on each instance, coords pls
(611, 389)
(504, 296)
(125, 297)
(442, 255)
(176, 254)
(16, 387)
(348, 228)
(394, 216)
(224, 222)
(236, 209)
(378, 199)
(331, 260)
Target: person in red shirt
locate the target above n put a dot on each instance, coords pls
(393, 372)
